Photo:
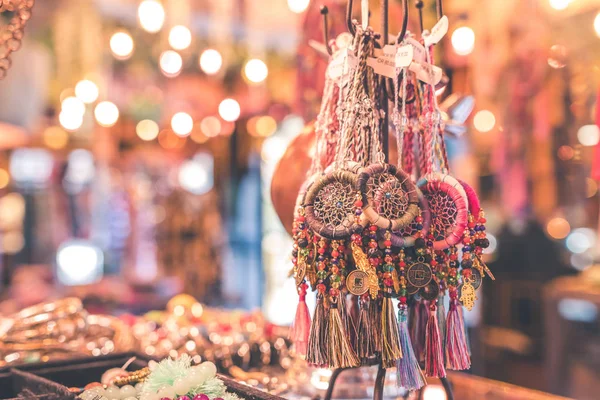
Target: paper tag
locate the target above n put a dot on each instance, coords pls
(364, 13)
(419, 52)
(385, 63)
(437, 32)
(342, 63)
(426, 71)
(404, 56)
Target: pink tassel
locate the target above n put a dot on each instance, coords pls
(301, 326)
(457, 351)
(434, 356)
(417, 325)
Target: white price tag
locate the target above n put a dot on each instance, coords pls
(426, 71)
(437, 32)
(385, 61)
(419, 52)
(341, 64)
(404, 56)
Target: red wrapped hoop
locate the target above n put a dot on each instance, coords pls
(448, 208)
(472, 198)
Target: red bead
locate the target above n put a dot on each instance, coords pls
(471, 225)
(301, 218)
(403, 299)
(335, 254)
(372, 244)
(373, 228)
(434, 263)
(321, 266)
(334, 292)
(321, 288)
(341, 248)
(321, 250)
(453, 257)
(355, 237)
(358, 204)
(452, 272)
(419, 219)
(335, 270)
(387, 243)
(402, 264)
(467, 273)
(482, 220)
(388, 282)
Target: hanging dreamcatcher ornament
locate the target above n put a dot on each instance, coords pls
(11, 34)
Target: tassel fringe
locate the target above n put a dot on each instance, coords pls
(409, 373)
(300, 331)
(317, 341)
(340, 352)
(457, 351)
(417, 326)
(434, 357)
(365, 337)
(390, 338)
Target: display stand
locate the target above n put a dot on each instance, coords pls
(381, 372)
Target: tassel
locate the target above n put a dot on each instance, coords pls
(417, 325)
(457, 351)
(375, 318)
(461, 311)
(352, 310)
(409, 373)
(441, 318)
(301, 327)
(340, 352)
(317, 340)
(390, 339)
(434, 357)
(365, 338)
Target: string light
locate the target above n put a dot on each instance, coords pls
(147, 130)
(73, 105)
(588, 135)
(55, 137)
(463, 40)
(151, 15)
(256, 70)
(597, 24)
(106, 113)
(559, 4)
(210, 126)
(170, 63)
(298, 6)
(484, 121)
(229, 110)
(211, 61)
(558, 228)
(182, 124)
(70, 121)
(180, 37)
(121, 45)
(86, 91)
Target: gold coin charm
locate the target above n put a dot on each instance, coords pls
(357, 282)
(419, 274)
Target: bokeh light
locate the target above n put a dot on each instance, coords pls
(557, 57)
(180, 37)
(229, 110)
(106, 113)
(484, 121)
(266, 126)
(196, 175)
(170, 63)
(55, 137)
(256, 70)
(86, 91)
(182, 124)
(559, 4)
(73, 105)
(211, 61)
(147, 129)
(298, 6)
(463, 40)
(597, 24)
(169, 140)
(210, 126)
(581, 240)
(558, 228)
(591, 187)
(4, 178)
(588, 135)
(121, 45)
(581, 261)
(151, 15)
(70, 121)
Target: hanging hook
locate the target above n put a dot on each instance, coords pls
(324, 12)
(402, 33)
(349, 24)
(419, 5)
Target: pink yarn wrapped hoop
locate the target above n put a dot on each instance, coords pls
(390, 199)
(472, 198)
(447, 207)
(406, 237)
